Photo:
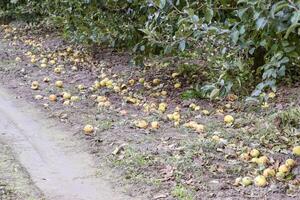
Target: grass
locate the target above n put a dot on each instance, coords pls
(182, 193)
(134, 165)
(133, 158)
(104, 125)
(256, 128)
(5, 192)
(290, 118)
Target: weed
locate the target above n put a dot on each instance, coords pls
(289, 118)
(105, 125)
(182, 193)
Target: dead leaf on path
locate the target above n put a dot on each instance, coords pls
(168, 172)
(119, 149)
(160, 196)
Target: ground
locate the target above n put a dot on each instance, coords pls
(53, 157)
(15, 183)
(171, 161)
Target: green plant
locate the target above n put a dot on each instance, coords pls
(248, 45)
(289, 118)
(269, 28)
(181, 193)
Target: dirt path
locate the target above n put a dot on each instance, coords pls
(15, 182)
(56, 162)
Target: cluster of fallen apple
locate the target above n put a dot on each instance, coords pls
(261, 180)
(254, 156)
(51, 60)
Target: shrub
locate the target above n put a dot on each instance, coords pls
(248, 45)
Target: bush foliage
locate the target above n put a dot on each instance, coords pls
(247, 45)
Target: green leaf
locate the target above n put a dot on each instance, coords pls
(182, 44)
(295, 18)
(209, 13)
(162, 4)
(241, 12)
(214, 93)
(291, 29)
(260, 23)
(235, 36)
(278, 6)
(256, 93)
